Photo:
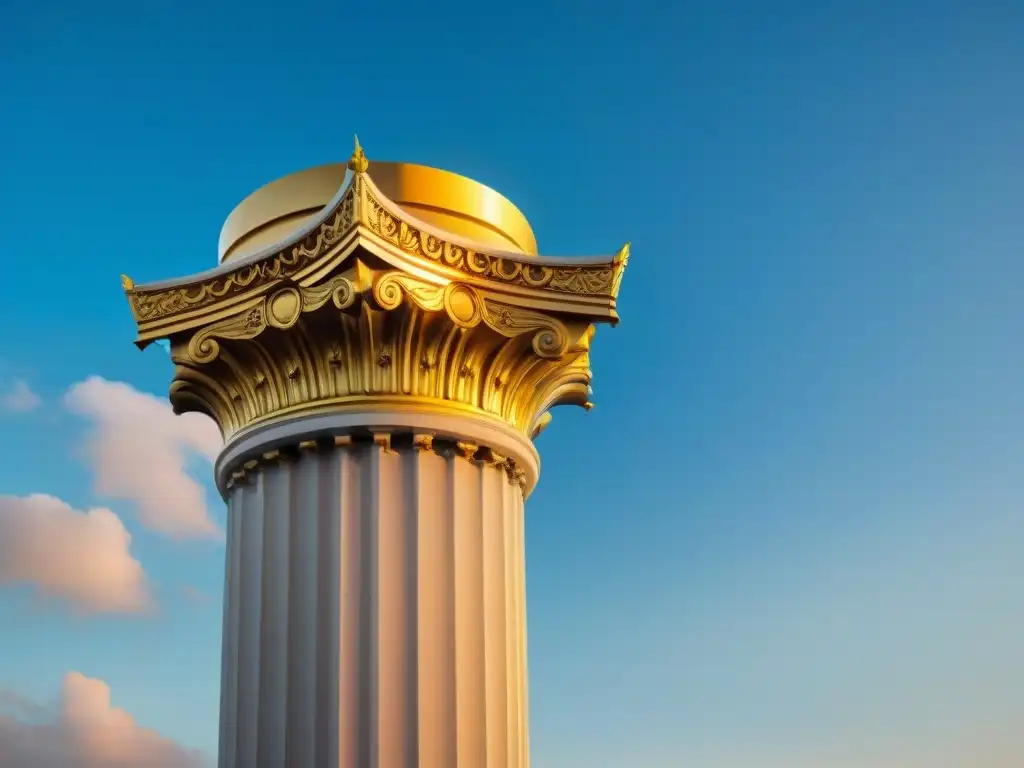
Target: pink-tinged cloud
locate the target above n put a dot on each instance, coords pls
(86, 731)
(20, 398)
(139, 450)
(82, 558)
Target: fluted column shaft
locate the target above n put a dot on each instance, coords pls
(375, 612)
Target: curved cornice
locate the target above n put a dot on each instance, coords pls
(360, 218)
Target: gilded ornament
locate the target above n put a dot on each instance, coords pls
(619, 269)
(390, 288)
(495, 459)
(423, 441)
(384, 219)
(369, 308)
(358, 162)
(150, 305)
(467, 450)
(204, 346)
(517, 383)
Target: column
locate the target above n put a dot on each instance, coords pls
(375, 607)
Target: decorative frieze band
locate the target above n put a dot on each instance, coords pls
(246, 466)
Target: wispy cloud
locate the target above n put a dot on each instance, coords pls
(20, 398)
(139, 450)
(86, 731)
(81, 558)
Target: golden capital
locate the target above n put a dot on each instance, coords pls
(365, 305)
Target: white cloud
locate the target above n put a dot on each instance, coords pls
(80, 557)
(86, 731)
(139, 450)
(20, 398)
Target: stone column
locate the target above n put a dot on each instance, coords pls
(375, 599)
(378, 379)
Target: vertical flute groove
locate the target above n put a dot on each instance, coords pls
(328, 547)
(469, 618)
(395, 730)
(512, 625)
(273, 699)
(251, 577)
(495, 620)
(231, 599)
(303, 597)
(436, 632)
(520, 556)
(353, 603)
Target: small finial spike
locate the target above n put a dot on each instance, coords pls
(127, 283)
(618, 269)
(358, 162)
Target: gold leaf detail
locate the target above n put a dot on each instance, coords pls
(619, 269)
(423, 442)
(390, 288)
(467, 450)
(358, 162)
(155, 304)
(204, 347)
(339, 290)
(551, 337)
(583, 280)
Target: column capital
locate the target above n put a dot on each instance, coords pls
(367, 304)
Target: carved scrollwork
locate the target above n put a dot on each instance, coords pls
(390, 288)
(471, 353)
(156, 304)
(550, 339)
(204, 347)
(280, 310)
(467, 307)
(589, 279)
(338, 290)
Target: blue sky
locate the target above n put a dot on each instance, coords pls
(789, 534)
